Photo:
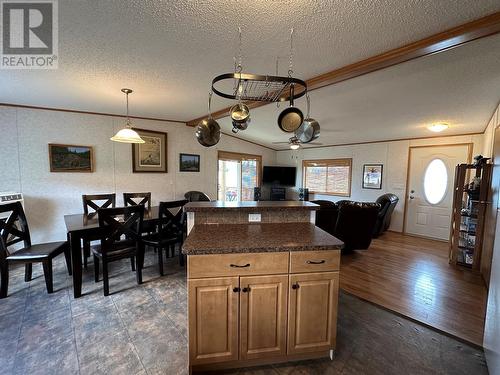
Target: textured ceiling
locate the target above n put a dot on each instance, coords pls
(168, 51)
(460, 86)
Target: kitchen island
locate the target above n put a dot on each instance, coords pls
(259, 292)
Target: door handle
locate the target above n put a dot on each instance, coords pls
(295, 286)
(412, 197)
(236, 289)
(237, 266)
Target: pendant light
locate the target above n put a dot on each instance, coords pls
(127, 134)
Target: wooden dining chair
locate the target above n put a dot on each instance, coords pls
(92, 203)
(132, 199)
(14, 229)
(120, 239)
(171, 231)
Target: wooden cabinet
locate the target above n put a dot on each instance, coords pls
(263, 310)
(312, 322)
(246, 318)
(213, 320)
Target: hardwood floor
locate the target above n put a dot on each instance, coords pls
(411, 276)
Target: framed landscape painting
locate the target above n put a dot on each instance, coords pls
(151, 156)
(189, 163)
(71, 158)
(372, 176)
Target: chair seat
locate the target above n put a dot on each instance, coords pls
(38, 252)
(121, 249)
(160, 239)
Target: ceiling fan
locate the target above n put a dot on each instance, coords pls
(295, 143)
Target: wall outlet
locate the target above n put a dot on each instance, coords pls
(254, 218)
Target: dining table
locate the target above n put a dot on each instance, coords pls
(86, 227)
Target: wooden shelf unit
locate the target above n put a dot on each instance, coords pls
(467, 220)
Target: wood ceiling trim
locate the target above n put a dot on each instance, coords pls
(88, 112)
(388, 140)
(437, 43)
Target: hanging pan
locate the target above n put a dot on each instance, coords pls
(208, 130)
(290, 119)
(309, 130)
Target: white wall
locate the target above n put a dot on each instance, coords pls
(492, 324)
(26, 133)
(490, 132)
(394, 157)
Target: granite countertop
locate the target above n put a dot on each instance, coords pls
(249, 206)
(256, 238)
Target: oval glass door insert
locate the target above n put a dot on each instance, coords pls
(435, 181)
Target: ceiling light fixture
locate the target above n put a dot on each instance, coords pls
(294, 146)
(438, 127)
(127, 134)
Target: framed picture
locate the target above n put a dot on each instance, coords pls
(150, 157)
(71, 158)
(372, 176)
(189, 163)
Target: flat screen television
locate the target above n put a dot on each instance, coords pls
(284, 176)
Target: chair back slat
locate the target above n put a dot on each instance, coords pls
(97, 201)
(14, 228)
(172, 216)
(129, 199)
(118, 223)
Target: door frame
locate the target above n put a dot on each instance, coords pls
(470, 146)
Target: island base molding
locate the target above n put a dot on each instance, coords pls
(261, 361)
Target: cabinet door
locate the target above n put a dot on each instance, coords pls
(312, 324)
(213, 320)
(263, 315)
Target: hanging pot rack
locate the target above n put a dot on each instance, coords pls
(247, 87)
(261, 88)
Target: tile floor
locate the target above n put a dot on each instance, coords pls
(142, 330)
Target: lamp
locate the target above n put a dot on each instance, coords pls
(127, 134)
(438, 127)
(294, 146)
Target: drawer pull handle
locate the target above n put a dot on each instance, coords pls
(244, 290)
(315, 262)
(296, 286)
(237, 266)
(236, 289)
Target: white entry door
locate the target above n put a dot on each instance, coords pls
(430, 189)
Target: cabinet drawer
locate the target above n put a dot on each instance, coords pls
(314, 261)
(237, 264)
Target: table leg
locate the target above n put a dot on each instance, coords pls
(76, 261)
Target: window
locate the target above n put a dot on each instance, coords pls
(328, 176)
(238, 175)
(435, 181)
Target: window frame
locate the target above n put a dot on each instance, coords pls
(239, 156)
(328, 163)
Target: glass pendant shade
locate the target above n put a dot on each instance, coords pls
(127, 134)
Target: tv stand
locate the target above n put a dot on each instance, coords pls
(278, 194)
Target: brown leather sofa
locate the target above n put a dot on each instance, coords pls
(352, 222)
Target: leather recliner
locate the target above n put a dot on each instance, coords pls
(326, 216)
(351, 222)
(387, 203)
(355, 224)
